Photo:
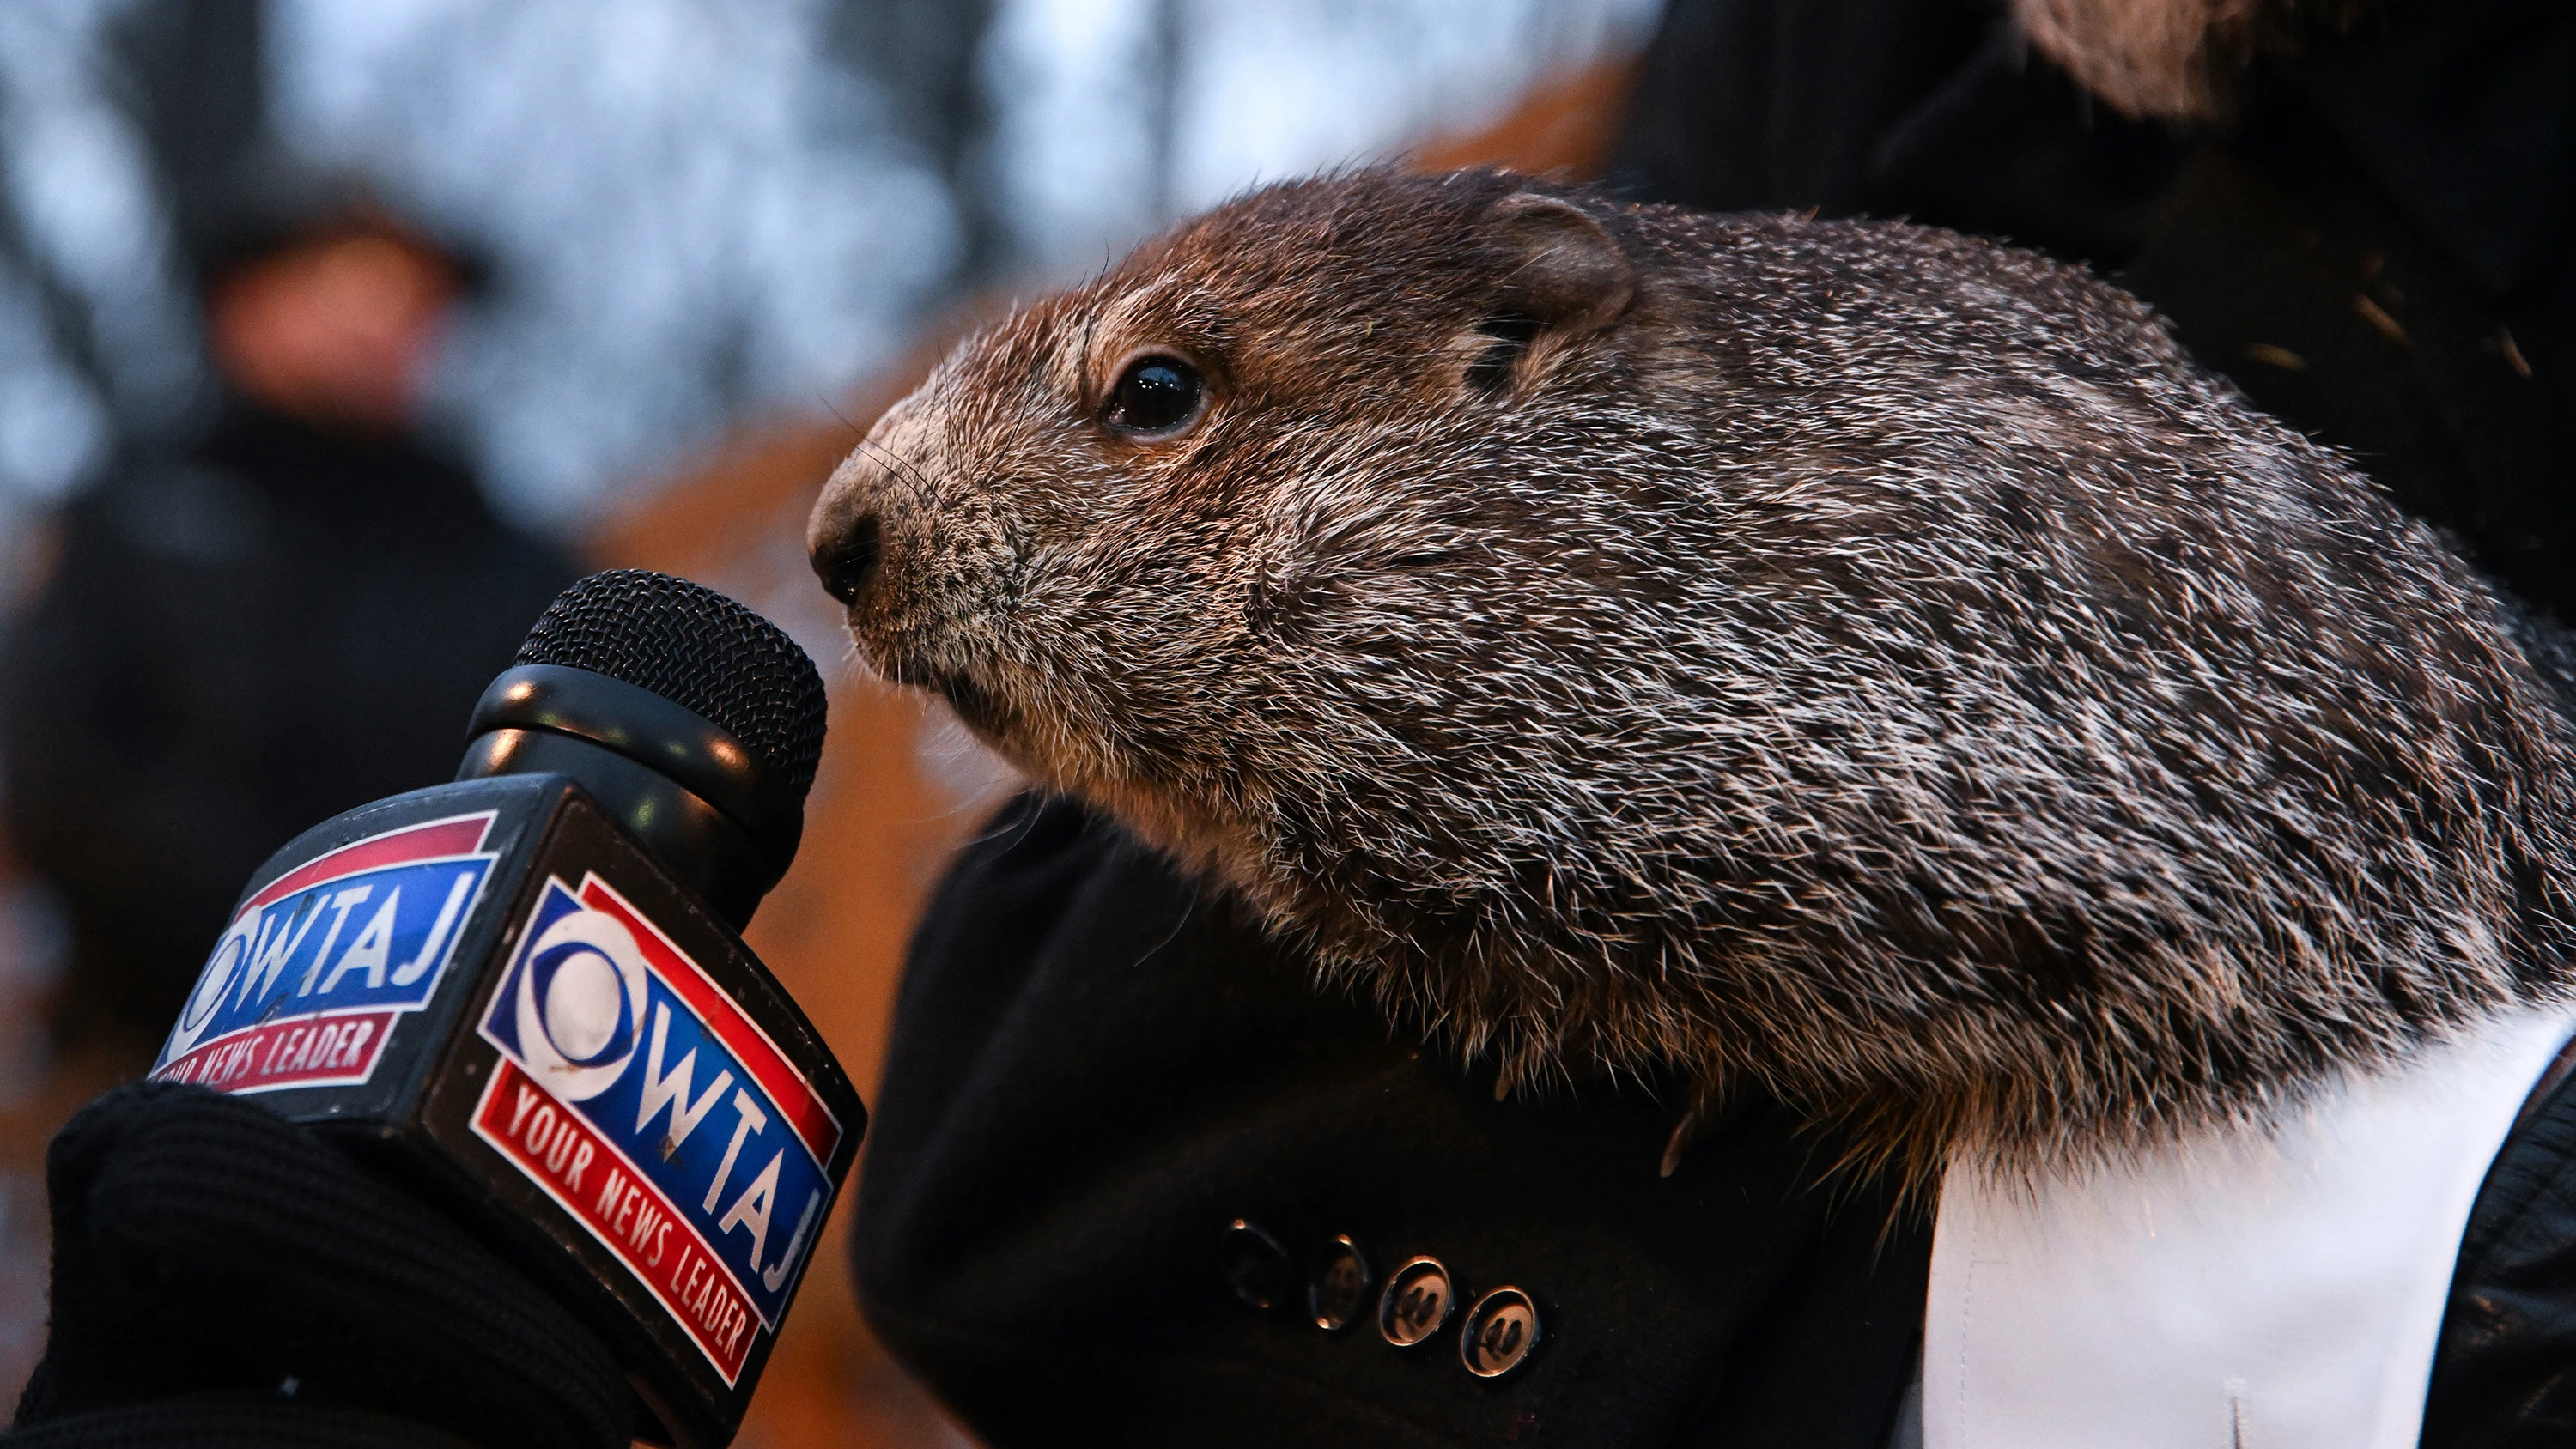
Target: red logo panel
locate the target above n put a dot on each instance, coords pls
(597, 1184)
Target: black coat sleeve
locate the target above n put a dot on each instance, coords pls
(1098, 1067)
(2505, 1374)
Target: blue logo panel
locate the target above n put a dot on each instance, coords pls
(683, 1140)
(305, 985)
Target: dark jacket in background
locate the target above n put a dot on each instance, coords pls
(1097, 1069)
(234, 644)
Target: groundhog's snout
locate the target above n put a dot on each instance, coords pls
(845, 539)
(845, 556)
(918, 564)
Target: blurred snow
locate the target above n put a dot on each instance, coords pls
(1115, 116)
(86, 271)
(698, 210)
(694, 212)
(52, 429)
(79, 182)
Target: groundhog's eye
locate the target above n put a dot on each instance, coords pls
(1157, 394)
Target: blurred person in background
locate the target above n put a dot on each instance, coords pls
(290, 616)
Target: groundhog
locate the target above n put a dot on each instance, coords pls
(1846, 659)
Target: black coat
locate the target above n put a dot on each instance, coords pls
(236, 641)
(1098, 1068)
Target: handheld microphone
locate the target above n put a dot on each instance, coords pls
(525, 992)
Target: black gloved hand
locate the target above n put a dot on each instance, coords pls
(222, 1276)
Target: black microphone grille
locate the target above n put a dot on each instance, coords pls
(695, 648)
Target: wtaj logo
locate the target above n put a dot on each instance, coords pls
(304, 987)
(643, 1100)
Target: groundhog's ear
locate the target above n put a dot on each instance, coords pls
(1570, 274)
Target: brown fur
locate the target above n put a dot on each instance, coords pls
(1845, 658)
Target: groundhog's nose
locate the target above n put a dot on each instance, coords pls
(844, 561)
